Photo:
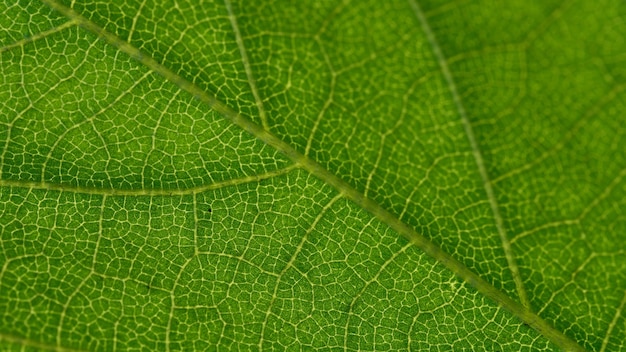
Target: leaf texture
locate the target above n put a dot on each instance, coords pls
(354, 175)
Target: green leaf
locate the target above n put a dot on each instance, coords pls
(355, 175)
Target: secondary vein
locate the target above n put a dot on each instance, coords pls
(246, 64)
(480, 163)
(333, 180)
(145, 192)
(38, 36)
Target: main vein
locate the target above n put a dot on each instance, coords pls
(333, 180)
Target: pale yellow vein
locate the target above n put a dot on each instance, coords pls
(493, 202)
(246, 64)
(458, 268)
(170, 318)
(292, 260)
(48, 186)
(89, 120)
(135, 19)
(613, 323)
(366, 285)
(86, 278)
(34, 344)
(38, 36)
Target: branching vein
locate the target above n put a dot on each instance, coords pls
(246, 64)
(345, 189)
(506, 245)
(609, 331)
(35, 37)
(145, 192)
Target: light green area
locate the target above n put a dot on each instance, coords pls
(356, 175)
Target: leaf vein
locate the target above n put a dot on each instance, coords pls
(38, 36)
(480, 163)
(331, 179)
(246, 64)
(35, 344)
(609, 331)
(49, 186)
(291, 262)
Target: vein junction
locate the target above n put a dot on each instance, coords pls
(319, 171)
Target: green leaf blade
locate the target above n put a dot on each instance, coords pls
(287, 177)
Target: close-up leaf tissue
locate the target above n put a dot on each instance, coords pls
(345, 175)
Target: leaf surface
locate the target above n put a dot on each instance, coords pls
(355, 175)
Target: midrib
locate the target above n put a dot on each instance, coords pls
(485, 288)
